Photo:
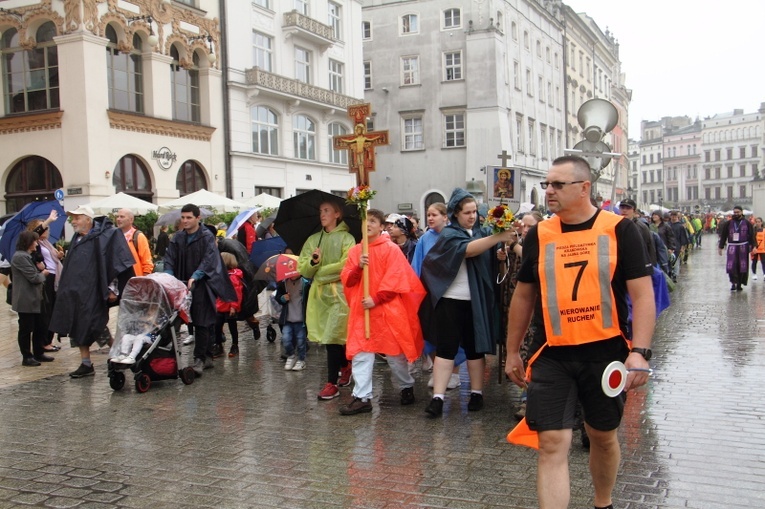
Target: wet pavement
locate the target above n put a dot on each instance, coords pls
(250, 435)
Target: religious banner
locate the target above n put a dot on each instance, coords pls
(503, 184)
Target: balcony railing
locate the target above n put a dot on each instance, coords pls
(296, 23)
(288, 86)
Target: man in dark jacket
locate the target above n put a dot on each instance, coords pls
(193, 258)
(98, 255)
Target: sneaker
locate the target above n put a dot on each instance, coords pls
(329, 391)
(299, 366)
(128, 360)
(119, 358)
(435, 407)
(217, 350)
(430, 381)
(754, 278)
(198, 366)
(208, 363)
(407, 396)
(357, 406)
(345, 376)
(454, 381)
(234, 351)
(188, 340)
(476, 402)
(83, 371)
(290, 362)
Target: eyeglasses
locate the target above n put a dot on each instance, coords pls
(558, 185)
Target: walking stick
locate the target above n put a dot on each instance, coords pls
(365, 270)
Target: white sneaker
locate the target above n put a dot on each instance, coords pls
(754, 278)
(128, 360)
(290, 362)
(454, 381)
(299, 366)
(430, 381)
(119, 358)
(188, 340)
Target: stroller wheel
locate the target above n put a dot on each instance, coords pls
(117, 380)
(270, 334)
(188, 375)
(142, 382)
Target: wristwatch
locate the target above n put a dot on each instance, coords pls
(645, 352)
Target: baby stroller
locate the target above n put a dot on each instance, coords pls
(150, 308)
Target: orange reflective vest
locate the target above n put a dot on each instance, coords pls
(575, 273)
(760, 239)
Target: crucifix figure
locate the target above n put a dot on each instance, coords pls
(360, 144)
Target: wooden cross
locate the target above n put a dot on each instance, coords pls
(504, 156)
(360, 145)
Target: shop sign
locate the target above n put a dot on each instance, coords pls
(165, 157)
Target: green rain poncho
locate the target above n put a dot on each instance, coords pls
(327, 310)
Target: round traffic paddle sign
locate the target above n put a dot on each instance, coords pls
(614, 379)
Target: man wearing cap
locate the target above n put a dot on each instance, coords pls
(98, 255)
(628, 209)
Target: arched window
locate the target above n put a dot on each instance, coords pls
(304, 135)
(131, 177)
(265, 131)
(337, 156)
(534, 196)
(32, 178)
(432, 198)
(190, 178)
(124, 74)
(185, 88)
(31, 76)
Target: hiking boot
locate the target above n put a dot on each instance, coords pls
(521, 412)
(299, 366)
(435, 407)
(407, 396)
(291, 360)
(198, 366)
(83, 371)
(357, 406)
(234, 351)
(454, 381)
(345, 376)
(476, 402)
(329, 391)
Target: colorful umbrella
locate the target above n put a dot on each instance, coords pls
(239, 220)
(278, 268)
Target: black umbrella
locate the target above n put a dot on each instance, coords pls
(262, 228)
(298, 217)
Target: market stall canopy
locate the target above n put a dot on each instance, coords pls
(206, 199)
(263, 200)
(112, 204)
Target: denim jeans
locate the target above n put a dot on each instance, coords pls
(294, 335)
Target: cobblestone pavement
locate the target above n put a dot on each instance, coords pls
(250, 435)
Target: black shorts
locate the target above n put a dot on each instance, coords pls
(555, 388)
(454, 326)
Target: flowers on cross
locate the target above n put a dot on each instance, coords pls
(499, 218)
(360, 196)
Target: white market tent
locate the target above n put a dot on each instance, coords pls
(206, 199)
(112, 204)
(263, 200)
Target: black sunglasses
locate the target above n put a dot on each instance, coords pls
(558, 185)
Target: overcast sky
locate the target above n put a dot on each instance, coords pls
(686, 57)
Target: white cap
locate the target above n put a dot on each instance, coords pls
(82, 210)
(392, 218)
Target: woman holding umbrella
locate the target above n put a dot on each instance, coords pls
(47, 257)
(322, 259)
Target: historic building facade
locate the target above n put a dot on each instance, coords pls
(294, 67)
(108, 96)
(456, 83)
